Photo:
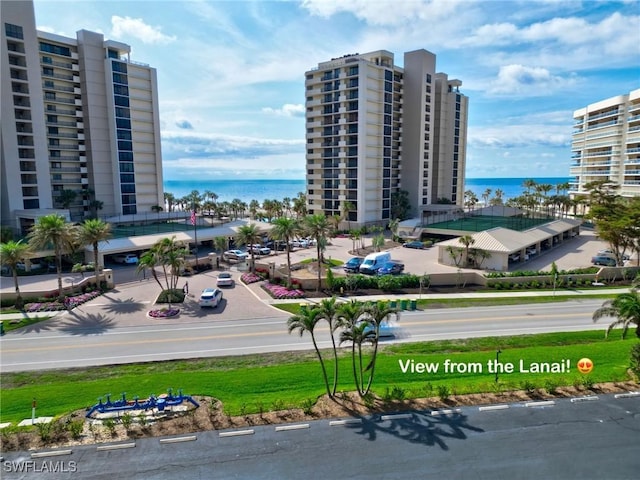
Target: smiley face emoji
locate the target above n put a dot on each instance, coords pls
(585, 365)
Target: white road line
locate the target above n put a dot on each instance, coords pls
(584, 399)
(55, 453)
(118, 446)
(490, 408)
(292, 427)
(350, 421)
(544, 403)
(395, 416)
(627, 395)
(190, 438)
(449, 411)
(236, 433)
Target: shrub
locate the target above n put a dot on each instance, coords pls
(330, 280)
(635, 359)
(307, 406)
(110, 424)
(75, 428)
(389, 283)
(528, 386)
(551, 386)
(175, 295)
(280, 292)
(127, 420)
(444, 392)
(248, 278)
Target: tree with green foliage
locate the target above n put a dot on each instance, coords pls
(329, 309)
(393, 228)
(53, 231)
(400, 205)
(306, 321)
(625, 308)
(168, 254)
(92, 232)
(467, 241)
(248, 235)
(470, 200)
(285, 229)
(317, 227)
(12, 253)
(376, 315)
(347, 208)
(66, 198)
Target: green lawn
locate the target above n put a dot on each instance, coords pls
(254, 382)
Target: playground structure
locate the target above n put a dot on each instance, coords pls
(122, 405)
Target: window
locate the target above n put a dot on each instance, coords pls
(13, 31)
(388, 87)
(128, 199)
(428, 78)
(388, 75)
(125, 156)
(47, 71)
(124, 134)
(55, 49)
(119, 78)
(123, 123)
(121, 90)
(127, 178)
(125, 145)
(128, 188)
(111, 53)
(31, 204)
(129, 210)
(126, 167)
(122, 112)
(119, 67)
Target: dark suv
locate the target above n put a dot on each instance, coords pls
(353, 264)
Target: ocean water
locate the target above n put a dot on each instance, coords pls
(247, 190)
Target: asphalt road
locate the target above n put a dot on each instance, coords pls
(590, 439)
(83, 338)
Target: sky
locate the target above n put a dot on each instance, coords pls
(231, 73)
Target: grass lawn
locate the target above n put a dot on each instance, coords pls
(294, 308)
(260, 382)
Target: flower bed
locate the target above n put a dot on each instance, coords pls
(69, 303)
(164, 312)
(248, 278)
(280, 292)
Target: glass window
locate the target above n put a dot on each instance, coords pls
(122, 112)
(127, 188)
(129, 210)
(121, 101)
(123, 123)
(125, 145)
(128, 199)
(388, 87)
(119, 66)
(119, 78)
(126, 167)
(388, 75)
(55, 49)
(121, 90)
(124, 134)
(125, 156)
(127, 178)
(13, 31)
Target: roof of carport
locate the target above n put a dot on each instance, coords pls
(504, 240)
(144, 242)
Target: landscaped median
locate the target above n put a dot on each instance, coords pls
(257, 383)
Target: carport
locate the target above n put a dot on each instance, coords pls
(143, 243)
(507, 246)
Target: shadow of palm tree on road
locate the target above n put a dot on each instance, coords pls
(420, 427)
(128, 305)
(193, 309)
(78, 322)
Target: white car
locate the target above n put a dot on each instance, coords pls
(210, 297)
(260, 250)
(299, 243)
(224, 280)
(609, 253)
(238, 255)
(126, 258)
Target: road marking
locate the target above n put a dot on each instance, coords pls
(626, 395)
(236, 433)
(190, 438)
(544, 403)
(336, 423)
(55, 453)
(490, 408)
(395, 416)
(292, 427)
(118, 446)
(449, 411)
(584, 399)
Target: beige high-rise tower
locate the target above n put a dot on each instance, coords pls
(80, 125)
(376, 130)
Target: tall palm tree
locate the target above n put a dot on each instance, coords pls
(498, 197)
(54, 231)
(254, 205)
(485, 196)
(329, 309)
(306, 321)
(625, 308)
(12, 253)
(393, 227)
(150, 259)
(92, 232)
(285, 229)
(529, 184)
(376, 315)
(317, 226)
(357, 332)
(170, 200)
(248, 235)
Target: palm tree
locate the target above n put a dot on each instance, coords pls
(357, 332)
(329, 310)
(467, 241)
(150, 259)
(470, 199)
(92, 232)
(625, 308)
(529, 184)
(347, 208)
(285, 229)
(300, 205)
(170, 200)
(248, 235)
(12, 253)
(306, 321)
(67, 197)
(254, 205)
(376, 315)
(220, 244)
(317, 226)
(53, 230)
(498, 197)
(393, 227)
(485, 196)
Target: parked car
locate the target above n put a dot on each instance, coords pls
(224, 280)
(238, 255)
(391, 268)
(126, 258)
(374, 261)
(260, 250)
(210, 297)
(300, 243)
(414, 244)
(604, 260)
(609, 253)
(353, 264)
(23, 267)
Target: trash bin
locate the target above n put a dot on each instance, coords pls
(1, 328)
(403, 304)
(413, 304)
(393, 304)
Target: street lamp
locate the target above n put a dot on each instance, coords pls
(498, 352)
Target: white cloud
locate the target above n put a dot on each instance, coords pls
(521, 80)
(287, 110)
(122, 27)
(520, 134)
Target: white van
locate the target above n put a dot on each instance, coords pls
(374, 261)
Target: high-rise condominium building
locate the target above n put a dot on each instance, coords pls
(375, 129)
(606, 144)
(80, 124)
